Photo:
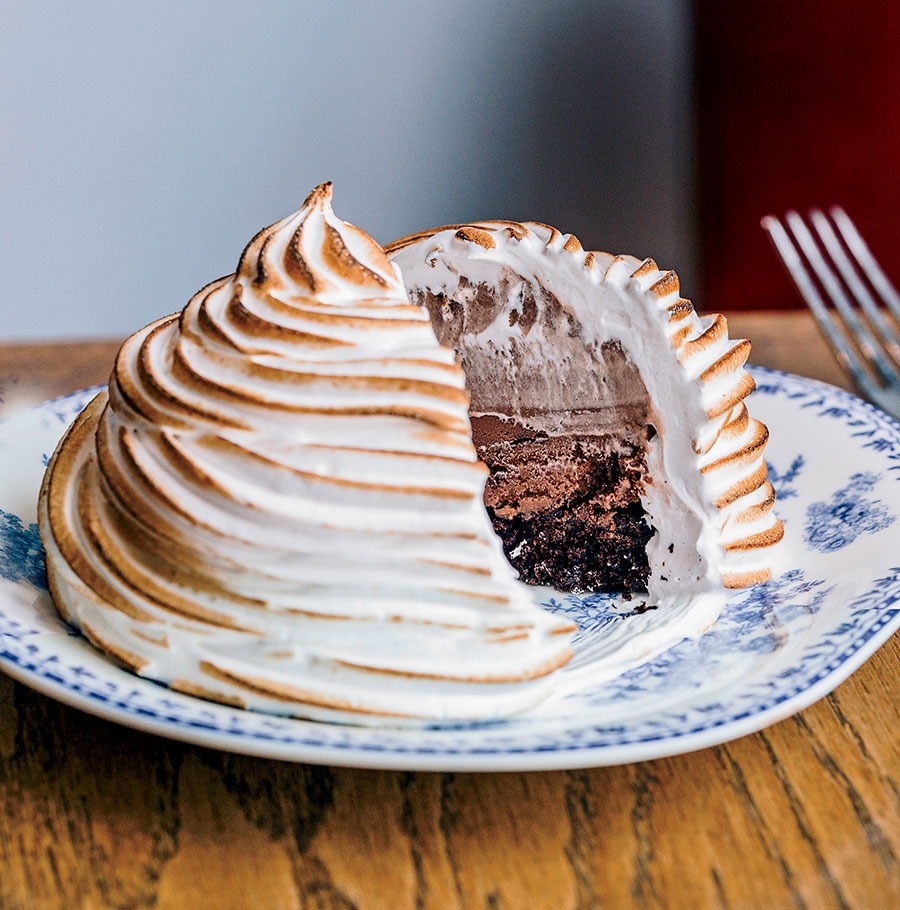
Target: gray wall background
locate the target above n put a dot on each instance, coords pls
(144, 144)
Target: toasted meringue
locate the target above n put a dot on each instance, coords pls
(279, 505)
(531, 315)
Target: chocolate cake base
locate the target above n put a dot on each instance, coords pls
(567, 508)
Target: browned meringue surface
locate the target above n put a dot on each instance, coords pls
(529, 310)
(279, 505)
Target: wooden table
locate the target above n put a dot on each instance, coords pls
(805, 814)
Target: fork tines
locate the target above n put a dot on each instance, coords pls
(829, 260)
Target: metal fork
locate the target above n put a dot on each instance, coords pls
(830, 255)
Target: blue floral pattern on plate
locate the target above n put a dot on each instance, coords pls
(775, 649)
(836, 524)
(21, 551)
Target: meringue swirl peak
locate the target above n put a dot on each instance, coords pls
(278, 505)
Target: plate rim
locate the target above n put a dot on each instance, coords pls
(667, 746)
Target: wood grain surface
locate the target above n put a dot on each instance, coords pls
(805, 814)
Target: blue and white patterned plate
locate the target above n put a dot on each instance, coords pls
(776, 649)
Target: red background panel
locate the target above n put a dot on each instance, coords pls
(798, 105)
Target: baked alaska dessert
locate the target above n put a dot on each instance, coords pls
(278, 504)
(610, 414)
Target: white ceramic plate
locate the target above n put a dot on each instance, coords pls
(776, 649)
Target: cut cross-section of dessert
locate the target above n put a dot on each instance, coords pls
(279, 504)
(610, 414)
